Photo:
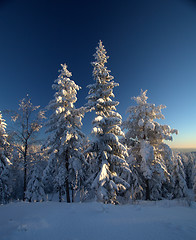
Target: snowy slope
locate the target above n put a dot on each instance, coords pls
(164, 220)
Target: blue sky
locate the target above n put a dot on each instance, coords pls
(151, 45)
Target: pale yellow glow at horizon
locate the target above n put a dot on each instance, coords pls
(185, 139)
(182, 144)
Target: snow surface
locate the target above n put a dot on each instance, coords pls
(95, 221)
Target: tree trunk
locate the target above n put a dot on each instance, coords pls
(147, 190)
(73, 195)
(60, 195)
(25, 173)
(67, 190)
(67, 181)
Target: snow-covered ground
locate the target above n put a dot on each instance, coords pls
(95, 221)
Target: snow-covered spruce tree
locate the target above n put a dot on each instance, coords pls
(188, 160)
(4, 164)
(28, 123)
(37, 163)
(35, 189)
(136, 181)
(48, 178)
(194, 184)
(107, 179)
(64, 140)
(146, 138)
(17, 174)
(179, 177)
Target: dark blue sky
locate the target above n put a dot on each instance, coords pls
(151, 44)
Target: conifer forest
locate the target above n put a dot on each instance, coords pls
(122, 160)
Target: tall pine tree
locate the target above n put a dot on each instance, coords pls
(65, 136)
(145, 136)
(107, 179)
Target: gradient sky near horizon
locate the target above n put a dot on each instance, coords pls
(151, 45)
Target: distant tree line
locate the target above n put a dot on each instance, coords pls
(122, 161)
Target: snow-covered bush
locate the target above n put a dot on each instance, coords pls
(35, 189)
(17, 174)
